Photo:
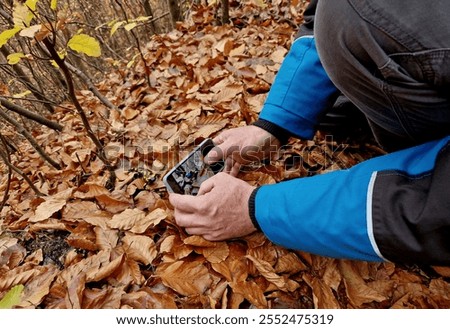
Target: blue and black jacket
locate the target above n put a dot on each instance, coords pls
(394, 207)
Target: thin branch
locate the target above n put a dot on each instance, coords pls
(23, 78)
(91, 87)
(5, 158)
(138, 45)
(21, 130)
(8, 182)
(71, 90)
(30, 115)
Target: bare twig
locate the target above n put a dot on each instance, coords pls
(138, 45)
(91, 87)
(25, 80)
(5, 157)
(25, 133)
(71, 90)
(30, 115)
(8, 182)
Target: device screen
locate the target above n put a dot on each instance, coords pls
(191, 172)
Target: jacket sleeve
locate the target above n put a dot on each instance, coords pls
(301, 90)
(394, 207)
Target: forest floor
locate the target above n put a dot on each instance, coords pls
(82, 245)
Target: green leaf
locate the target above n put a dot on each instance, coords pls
(85, 44)
(15, 58)
(8, 34)
(12, 297)
(54, 4)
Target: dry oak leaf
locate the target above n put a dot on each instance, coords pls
(136, 220)
(114, 202)
(39, 287)
(106, 239)
(147, 298)
(88, 191)
(214, 252)
(51, 205)
(269, 274)
(186, 278)
(358, 292)
(96, 267)
(140, 248)
(18, 275)
(251, 291)
(13, 255)
(323, 296)
(108, 297)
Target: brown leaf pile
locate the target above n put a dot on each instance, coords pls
(84, 246)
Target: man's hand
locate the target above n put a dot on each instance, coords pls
(219, 211)
(241, 146)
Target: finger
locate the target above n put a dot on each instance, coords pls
(215, 155)
(206, 186)
(228, 165)
(221, 151)
(183, 203)
(219, 139)
(186, 220)
(235, 169)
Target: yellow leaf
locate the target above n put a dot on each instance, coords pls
(22, 15)
(85, 44)
(54, 4)
(23, 94)
(142, 18)
(31, 4)
(12, 297)
(132, 61)
(30, 31)
(260, 3)
(8, 34)
(130, 26)
(116, 27)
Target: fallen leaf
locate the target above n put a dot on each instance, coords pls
(140, 248)
(51, 205)
(358, 291)
(268, 272)
(186, 278)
